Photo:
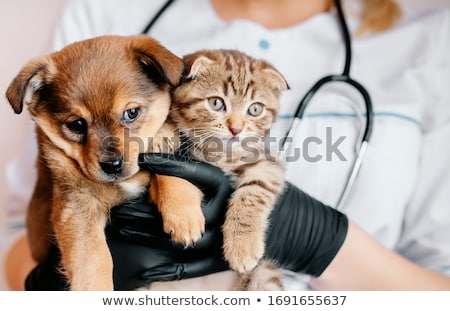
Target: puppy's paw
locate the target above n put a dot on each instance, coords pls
(243, 251)
(179, 203)
(185, 225)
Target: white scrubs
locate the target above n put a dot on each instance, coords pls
(402, 194)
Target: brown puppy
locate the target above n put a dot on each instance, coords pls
(97, 104)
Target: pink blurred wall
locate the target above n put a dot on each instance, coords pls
(25, 31)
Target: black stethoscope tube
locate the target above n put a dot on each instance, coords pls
(344, 77)
(157, 16)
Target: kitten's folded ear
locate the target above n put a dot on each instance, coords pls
(193, 64)
(276, 78)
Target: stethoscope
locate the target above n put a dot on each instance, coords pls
(298, 116)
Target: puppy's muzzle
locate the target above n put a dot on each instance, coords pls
(112, 166)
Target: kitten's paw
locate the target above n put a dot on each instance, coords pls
(243, 251)
(185, 226)
(164, 141)
(162, 145)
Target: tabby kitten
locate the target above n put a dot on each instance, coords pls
(224, 108)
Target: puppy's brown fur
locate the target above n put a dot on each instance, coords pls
(97, 104)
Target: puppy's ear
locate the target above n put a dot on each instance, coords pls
(152, 55)
(194, 63)
(24, 88)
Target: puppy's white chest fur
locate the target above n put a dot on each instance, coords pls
(132, 188)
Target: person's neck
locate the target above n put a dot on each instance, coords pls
(270, 13)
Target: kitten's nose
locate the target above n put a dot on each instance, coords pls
(112, 166)
(235, 130)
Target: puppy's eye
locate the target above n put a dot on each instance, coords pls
(131, 115)
(216, 103)
(255, 109)
(78, 126)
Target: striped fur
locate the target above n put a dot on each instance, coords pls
(225, 106)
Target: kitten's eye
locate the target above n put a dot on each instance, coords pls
(216, 103)
(255, 109)
(130, 115)
(78, 126)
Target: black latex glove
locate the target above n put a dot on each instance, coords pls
(304, 234)
(143, 253)
(46, 276)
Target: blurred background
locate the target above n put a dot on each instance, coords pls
(25, 32)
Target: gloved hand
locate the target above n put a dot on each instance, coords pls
(311, 233)
(143, 253)
(304, 235)
(46, 276)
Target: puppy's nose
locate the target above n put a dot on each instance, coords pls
(112, 165)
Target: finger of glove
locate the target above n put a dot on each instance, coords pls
(179, 271)
(138, 221)
(147, 214)
(142, 223)
(214, 207)
(211, 179)
(205, 176)
(131, 261)
(136, 213)
(157, 239)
